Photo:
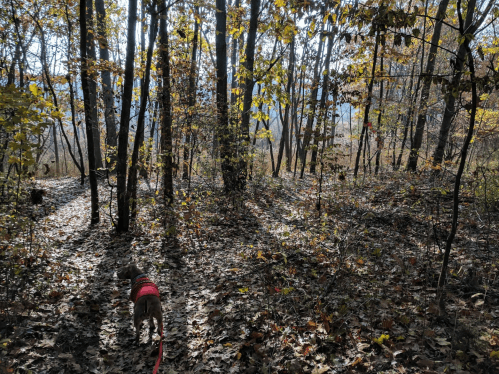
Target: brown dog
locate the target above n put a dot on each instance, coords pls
(145, 295)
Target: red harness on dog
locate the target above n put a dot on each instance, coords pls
(142, 286)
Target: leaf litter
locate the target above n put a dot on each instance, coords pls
(261, 283)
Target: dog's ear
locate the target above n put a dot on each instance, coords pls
(122, 273)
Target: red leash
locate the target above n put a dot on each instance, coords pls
(160, 353)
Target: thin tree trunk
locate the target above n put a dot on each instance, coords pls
(139, 134)
(107, 87)
(150, 144)
(233, 62)
(267, 127)
(166, 121)
(43, 57)
(284, 143)
(224, 133)
(312, 103)
(464, 150)
(368, 106)
(425, 92)
(321, 119)
(92, 72)
(459, 63)
(192, 97)
(408, 119)
(257, 127)
(88, 115)
(11, 76)
(379, 141)
(121, 165)
(56, 149)
(247, 88)
(72, 99)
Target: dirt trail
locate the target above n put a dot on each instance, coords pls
(258, 285)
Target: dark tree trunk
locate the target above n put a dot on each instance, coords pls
(56, 150)
(92, 84)
(223, 132)
(459, 63)
(107, 87)
(192, 97)
(408, 120)
(425, 92)
(233, 62)
(379, 140)
(271, 151)
(312, 104)
(88, 115)
(368, 106)
(166, 120)
(322, 105)
(247, 88)
(121, 165)
(299, 149)
(285, 123)
(139, 134)
(11, 77)
(464, 150)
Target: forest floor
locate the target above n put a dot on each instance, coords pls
(261, 283)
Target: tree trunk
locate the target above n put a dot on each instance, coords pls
(56, 150)
(408, 119)
(45, 69)
(72, 99)
(247, 88)
(166, 120)
(139, 134)
(368, 106)
(425, 92)
(88, 115)
(322, 105)
(285, 123)
(107, 87)
(271, 151)
(312, 104)
(192, 97)
(459, 63)
(92, 72)
(223, 132)
(379, 141)
(11, 77)
(121, 165)
(233, 62)
(464, 150)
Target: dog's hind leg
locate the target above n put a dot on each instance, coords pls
(137, 321)
(152, 327)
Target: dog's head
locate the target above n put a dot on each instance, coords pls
(126, 271)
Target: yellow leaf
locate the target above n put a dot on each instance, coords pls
(260, 255)
(312, 26)
(243, 290)
(34, 89)
(381, 339)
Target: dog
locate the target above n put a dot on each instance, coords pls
(145, 295)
